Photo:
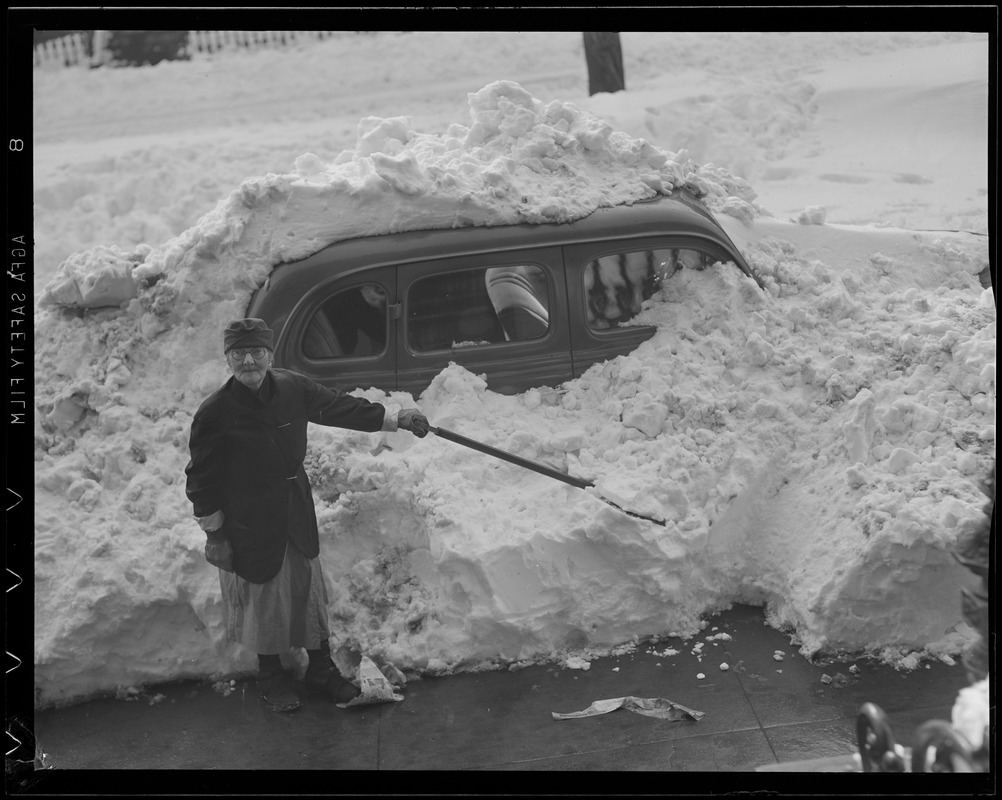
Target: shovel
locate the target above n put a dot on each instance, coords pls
(540, 468)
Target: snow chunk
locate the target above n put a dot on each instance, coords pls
(646, 414)
(858, 430)
(758, 349)
(900, 459)
(97, 278)
(738, 208)
(812, 215)
(971, 714)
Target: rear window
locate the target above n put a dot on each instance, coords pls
(474, 307)
(616, 285)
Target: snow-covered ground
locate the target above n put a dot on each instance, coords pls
(816, 448)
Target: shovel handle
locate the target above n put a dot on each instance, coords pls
(510, 457)
(540, 468)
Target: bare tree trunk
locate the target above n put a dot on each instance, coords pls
(604, 56)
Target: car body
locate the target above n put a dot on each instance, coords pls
(525, 305)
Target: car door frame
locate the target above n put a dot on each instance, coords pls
(347, 372)
(509, 367)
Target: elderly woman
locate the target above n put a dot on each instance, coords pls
(252, 497)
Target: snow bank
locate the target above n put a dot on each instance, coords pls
(815, 447)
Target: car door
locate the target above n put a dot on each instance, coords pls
(608, 282)
(343, 332)
(502, 315)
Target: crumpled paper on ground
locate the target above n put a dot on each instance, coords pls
(659, 707)
(374, 684)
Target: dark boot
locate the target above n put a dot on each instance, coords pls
(277, 688)
(322, 677)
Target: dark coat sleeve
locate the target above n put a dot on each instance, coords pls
(335, 408)
(206, 468)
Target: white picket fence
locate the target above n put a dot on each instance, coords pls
(65, 51)
(211, 41)
(74, 48)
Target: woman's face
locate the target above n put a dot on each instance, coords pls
(250, 371)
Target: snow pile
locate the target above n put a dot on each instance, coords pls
(971, 715)
(116, 386)
(815, 448)
(519, 161)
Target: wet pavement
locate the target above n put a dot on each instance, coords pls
(760, 716)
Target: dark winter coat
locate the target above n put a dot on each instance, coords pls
(247, 454)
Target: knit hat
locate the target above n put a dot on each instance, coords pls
(248, 333)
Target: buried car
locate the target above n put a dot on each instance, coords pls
(523, 305)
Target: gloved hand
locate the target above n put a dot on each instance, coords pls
(219, 554)
(410, 419)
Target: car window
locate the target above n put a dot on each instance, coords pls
(616, 285)
(473, 307)
(350, 323)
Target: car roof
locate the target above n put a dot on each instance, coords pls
(680, 213)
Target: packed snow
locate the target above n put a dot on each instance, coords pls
(816, 448)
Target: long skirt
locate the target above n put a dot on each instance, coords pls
(288, 611)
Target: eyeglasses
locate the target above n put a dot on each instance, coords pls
(238, 353)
